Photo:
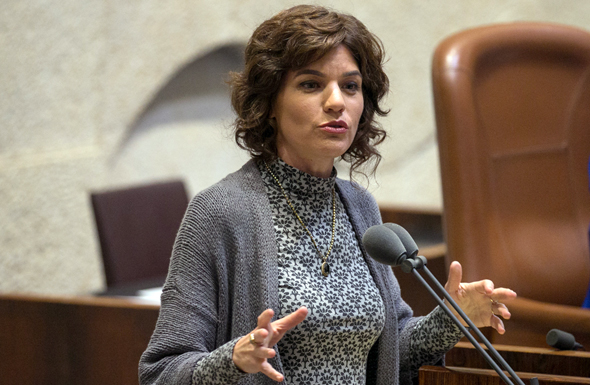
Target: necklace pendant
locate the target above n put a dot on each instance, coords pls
(325, 269)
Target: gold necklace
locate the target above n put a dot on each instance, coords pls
(325, 268)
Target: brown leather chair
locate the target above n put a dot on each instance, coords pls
(137, 227)
(512, 108)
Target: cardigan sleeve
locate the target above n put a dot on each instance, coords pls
(430, 337)
(183, 349)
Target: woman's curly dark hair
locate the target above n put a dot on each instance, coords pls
(291, 40)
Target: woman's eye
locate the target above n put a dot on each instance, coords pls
(309, 85)
(351, 87)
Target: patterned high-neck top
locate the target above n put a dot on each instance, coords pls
(346, 312)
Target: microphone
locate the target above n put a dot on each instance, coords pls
(562, 340)
(384, 246)
(405, 237)
(396, 247)
(390, 244)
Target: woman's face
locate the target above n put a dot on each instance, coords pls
(317, 111)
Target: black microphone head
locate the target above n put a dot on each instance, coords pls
(561, 340)
(405, 237)
(384, 246)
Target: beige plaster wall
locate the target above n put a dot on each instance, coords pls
(76, 74)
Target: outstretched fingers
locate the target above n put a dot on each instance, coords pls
(259, 349)
(503, 295)
(500, 310)
(290, 321)
(454, 279)
(270, 372)
(498, 297)
(481, 301)
(497, 324)
(264, 327)
(264, 319)
(281, 326)
(252, 351)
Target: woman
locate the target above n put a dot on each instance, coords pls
(268, 279)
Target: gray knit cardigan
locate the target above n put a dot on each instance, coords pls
(223, 274)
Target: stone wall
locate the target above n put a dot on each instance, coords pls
(83, 108)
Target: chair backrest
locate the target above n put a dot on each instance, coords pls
(512, 106)
(137, 227)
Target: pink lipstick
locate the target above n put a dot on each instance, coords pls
(335, 126)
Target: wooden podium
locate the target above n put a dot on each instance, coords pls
(73, 340)
(464, 365)
(98, 340)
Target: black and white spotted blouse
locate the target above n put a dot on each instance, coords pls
(346, 312)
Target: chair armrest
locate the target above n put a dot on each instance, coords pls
(544, 315)
(531, 320)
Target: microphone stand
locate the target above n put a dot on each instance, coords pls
(413, 265)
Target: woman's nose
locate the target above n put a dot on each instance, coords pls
(334, 99)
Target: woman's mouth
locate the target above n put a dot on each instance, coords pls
(335, 126)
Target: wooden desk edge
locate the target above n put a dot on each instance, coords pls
(526, 349)
(86, 300)
(492, 373)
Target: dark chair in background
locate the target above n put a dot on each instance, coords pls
(137, 227)
(512, 108)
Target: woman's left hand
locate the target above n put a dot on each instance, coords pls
(480, 301)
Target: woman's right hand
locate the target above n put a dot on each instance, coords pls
(251, 357)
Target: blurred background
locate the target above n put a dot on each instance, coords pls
(102, 94)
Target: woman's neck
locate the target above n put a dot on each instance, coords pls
(318, 168)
